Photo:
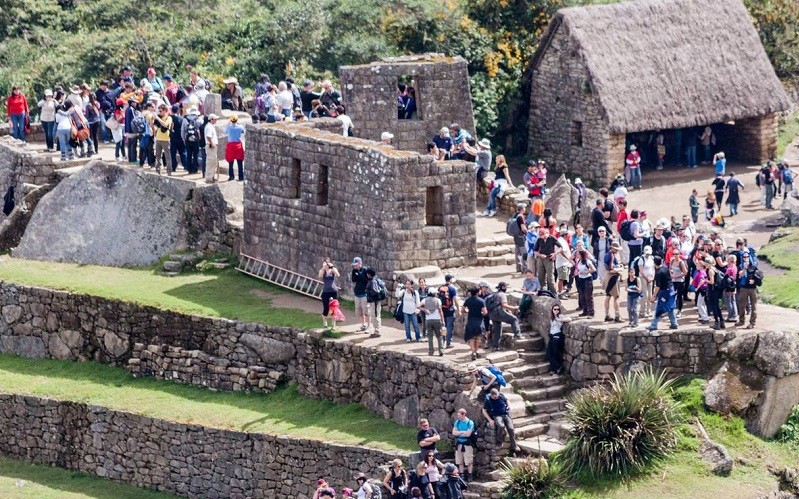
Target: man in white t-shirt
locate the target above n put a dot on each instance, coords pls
(285, 99)
(212, 143)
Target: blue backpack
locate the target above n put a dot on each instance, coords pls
(496, 372)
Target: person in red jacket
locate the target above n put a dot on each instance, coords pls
(17, 109)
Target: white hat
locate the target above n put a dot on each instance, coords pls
(578, 180)
(633, 148)
(386, 136)
(193, 110)
(212, 116)
(230, 80)
(484, 143)
(48, 92)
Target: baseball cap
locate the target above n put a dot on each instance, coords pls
(647, 250)
(386, 136)
(484, 284)
(357, 260)
(448, 277)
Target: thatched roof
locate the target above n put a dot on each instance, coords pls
(658, 64)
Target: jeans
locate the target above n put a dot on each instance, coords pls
(731, 305)
(585, 290)
(449, 323)
(240, 165)
(786, 189)
(497, 318)
(714, 302)
(658, 315)
(177, 151)
(502, 424)
(49, 133)
(409, 319)
(94, 130)
(678, 287)
(690, 156)
(18, 126)
(708, 153)
(632, 308)
(555, 352)
(146, 150)
(635, 251)
(203, 158)
(769, 195)
(635, 177)
(492, 198)
(733, 208)
(521, 257)
(695, 214)
(433, 328)
(192, 164)
(63, 143)
(701, 305)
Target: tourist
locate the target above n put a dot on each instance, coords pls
(600, 247)
(443, 142)
(634, 287)
(47, 118)
(613, 268)
(619, 188)
(730, 288)
(396, 480)
(503, 313)
(502, 183)
(410, 306)
(452, 485)
(598, 219)
(232, 95)
(556, 341)
(520, 238)
(545, 252)
(328, 274)
(678, 271)
(496, 411)
(700, 284)
(530, 287)
(715, 293)
(532, 181)
(426, 437)
(708, 139)
(660, 149)
(710, 205)
(285, 99)
(177, 148)
(787, 179)
(482, 155)
(365, 490)
(107, 101)
(434, 470)
(234, 151)
(173, 93)
(484, 377)
(385, 138)
(191, 133)
(765, 181)
(691, 139)
(484, 293)
(163, 131)
(64, 130)
(531, 237)
(132, 134)
(432, 151)
(664, 295)
(563, 264)
(459, 141)
(621, 217)
(450, 304)
(693, 203)
(419, 482)
(585, 269)
(475, 309)
(423, 290)
(330, 96)
(644, 268)
(464, 453)
(146, 145)
(116, 123)
(718, 188)
(18, 112)
(211, 165)
(347, 129)
(749, 279)
(433, 318)
(733, 196)
(659, 241)
(307, 96)
(633, 162)
(636, 242)
(720, 163)
(323, 489)
(579, 236)
(373, 298)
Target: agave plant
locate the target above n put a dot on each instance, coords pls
(533, 478)
(621, 428)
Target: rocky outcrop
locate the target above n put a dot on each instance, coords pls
(564, 201)
(759, 381)
(790, 210)
(109, 215)
(13, 227)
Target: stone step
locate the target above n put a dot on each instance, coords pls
(518, 406)
(495, 261)
(543, 393)
(549, 405)
(488, 251)
(529, 370)
(531, 430)
(534, 357)
(559, 429)
(529, 343)
(504, 366)
(540, 446)
(537, 382)
(500, 357)
(483, 487)
(426, 271)
(497, 240)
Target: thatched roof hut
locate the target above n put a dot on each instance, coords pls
(658, 64)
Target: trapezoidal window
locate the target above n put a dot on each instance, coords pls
(407, 98)
(434, 206)
(577, 133)
(294, 179)
(322, 186)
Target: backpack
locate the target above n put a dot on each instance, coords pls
(377, 489)
(787, 176)
(492, 302)
(513, 228)
(729, 283)
(718, 282)
(614, 211)
(446, 299)
(473, 437)
(192, 132)
(381, 292)
(634, 266)
(496, 372)
(624, 231)
(139, 123)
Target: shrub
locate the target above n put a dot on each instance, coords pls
(532, 478)
(620, 429)
(789, 432)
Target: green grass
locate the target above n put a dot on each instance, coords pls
(226, 293)
(788, 131)
(684, 475)
(783, 253)
(20, 480)
(283, 412)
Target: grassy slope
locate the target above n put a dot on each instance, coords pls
(788, 131)
(19, 480)
(284, 412)
(783, 253)
(684, 475)
(226, 293)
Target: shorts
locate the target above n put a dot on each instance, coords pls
(361, 306)
(563, 273)
(464, 457)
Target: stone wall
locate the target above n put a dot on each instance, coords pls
(189, 460)
(36, 134)
(20, 164)
(754, 140)
(312, 194)
(442, 91)
(568, 128)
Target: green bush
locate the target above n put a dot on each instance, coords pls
(533, 478)
(620, 429)
(789, 432)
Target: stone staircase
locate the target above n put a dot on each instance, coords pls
(495, 251)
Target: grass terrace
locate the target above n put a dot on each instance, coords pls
(226, 293)
(283, 412)
(782, 290)
(20, 480)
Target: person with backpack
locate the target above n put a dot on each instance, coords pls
(450, 304)
(631, 232)
(409, 300)
(749, 279)
(365, 489)
(733, 195)
(644, 268)
(396, 480)
(556, 341)
(177, 148)
(191, 135)
(162, 124)
(623, 216)
(731, 288)
(499, 311)
(433, 321)
(664, 295)
(613, 268)
(545, 252)
(475, 309)
(463, 430)
(584, 274)
(496, 410)
(787, 179)
(211, 158)
(517, 228)
(375, 293)
(715, 293)
(502, 182)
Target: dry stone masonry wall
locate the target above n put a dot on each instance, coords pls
(442, 94)
(313, 194)
(189, 460)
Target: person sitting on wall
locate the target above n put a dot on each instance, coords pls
(232, 95)
(385, 138)
(432, 150)
(444, 143)
(459, 141)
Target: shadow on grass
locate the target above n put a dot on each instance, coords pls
(282, 411)
(65, 481)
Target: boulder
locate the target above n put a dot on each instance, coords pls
(270, 351)
(790, 211)
(775, 403)
(562, 200)
(777, 353)
(11, 313)
(406, 412)
(734, 388)
(117, 344)
(717, 458)
(539, 316)
(65, 344)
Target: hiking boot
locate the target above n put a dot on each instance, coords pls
(608, 319)
(739, 324)
(617, 319)
(722, 325)
(674, 326)
(374, 335)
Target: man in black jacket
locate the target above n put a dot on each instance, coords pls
(497, 412)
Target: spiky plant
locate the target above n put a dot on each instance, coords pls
(533, 478)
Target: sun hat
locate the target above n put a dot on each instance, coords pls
(48, 92)
(230, 80)
(471, 367)
(633, 148)
(615, 245)
(212, 116)
(578, 180)
(484, 143)
(233, 119)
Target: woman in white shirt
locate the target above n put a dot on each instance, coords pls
(47, 117)
(410, 307)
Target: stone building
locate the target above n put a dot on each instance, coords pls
(312, 193)
(608, 76)
(442, 97)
